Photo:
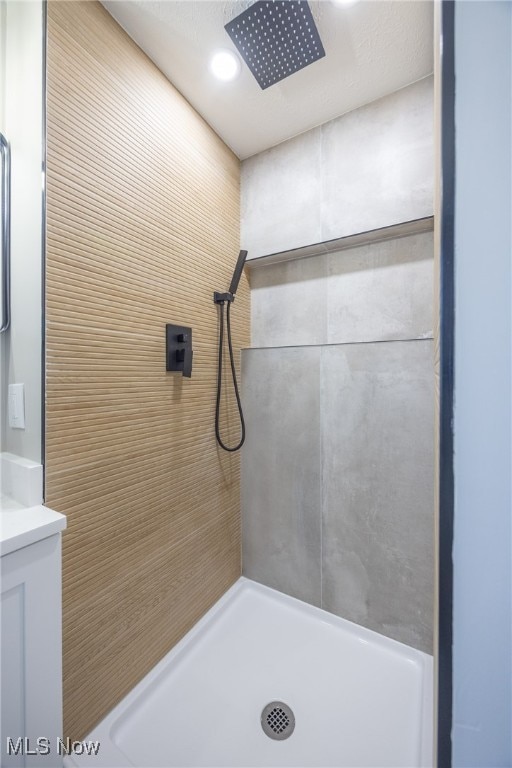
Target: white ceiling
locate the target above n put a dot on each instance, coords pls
(373, 48)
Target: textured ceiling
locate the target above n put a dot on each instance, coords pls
(372, 49)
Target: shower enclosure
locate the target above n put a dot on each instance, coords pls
(328, 636)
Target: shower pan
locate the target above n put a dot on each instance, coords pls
(334, 694)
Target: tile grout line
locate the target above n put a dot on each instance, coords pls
(320, 452)
(325, 258)
(342, 343)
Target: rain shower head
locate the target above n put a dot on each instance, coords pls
(276, 38)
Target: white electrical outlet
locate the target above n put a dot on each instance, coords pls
(17, 406)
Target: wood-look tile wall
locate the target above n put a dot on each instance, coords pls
(142, 225)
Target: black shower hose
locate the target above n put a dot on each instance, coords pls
(219, 380)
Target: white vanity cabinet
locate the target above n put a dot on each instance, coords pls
(31, 645)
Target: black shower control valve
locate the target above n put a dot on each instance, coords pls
(178, 349)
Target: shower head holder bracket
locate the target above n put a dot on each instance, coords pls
(222, 298)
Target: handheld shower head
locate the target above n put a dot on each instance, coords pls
(238, 272)
(221, 299)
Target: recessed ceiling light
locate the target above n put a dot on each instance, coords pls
(225, 65)
(344, 2)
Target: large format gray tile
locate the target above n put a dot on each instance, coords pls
(280, 193)
(381, 291)
(281, 521)
(370, 293)
(370, 168)
(289, 303)
(378, 163)
(377, 447)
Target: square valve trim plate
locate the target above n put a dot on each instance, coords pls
(276, 38)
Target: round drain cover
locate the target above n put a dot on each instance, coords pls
(277, 720)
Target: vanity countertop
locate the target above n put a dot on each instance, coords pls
(21, 526)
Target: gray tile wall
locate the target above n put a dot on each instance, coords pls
(369, 293)
(281, 470)
(337, 480)
(370, 168)
(377, 433)
(337, 469)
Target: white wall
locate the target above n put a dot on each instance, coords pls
(482, 718)
(21, 122)
(370, 168)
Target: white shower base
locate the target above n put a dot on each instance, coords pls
(360, 699)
